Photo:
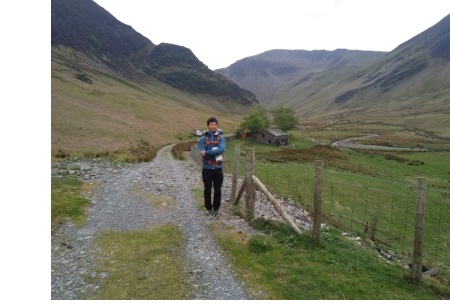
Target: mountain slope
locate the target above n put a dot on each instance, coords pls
(425, 57)
(178, 67)
(86, 27)
(112, 86)
(408, 86)
(273, 72)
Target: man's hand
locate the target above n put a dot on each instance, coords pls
(202, 153)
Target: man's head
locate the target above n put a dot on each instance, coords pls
(212, 119)
(212, 124)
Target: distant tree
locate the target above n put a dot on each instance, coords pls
(284, 118)
(264, 115)
(256, 120)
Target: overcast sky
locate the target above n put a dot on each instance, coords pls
(220, 33)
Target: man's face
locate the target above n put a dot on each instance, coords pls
(212, 126)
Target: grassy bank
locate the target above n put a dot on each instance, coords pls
(67, 201)
(284, 266)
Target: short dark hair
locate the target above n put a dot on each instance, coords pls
(212, 119)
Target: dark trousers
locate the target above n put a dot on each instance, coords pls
(212, 178)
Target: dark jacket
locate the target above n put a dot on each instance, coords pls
(216, 141)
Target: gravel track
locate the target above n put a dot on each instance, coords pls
(117, 203)
(117, 206)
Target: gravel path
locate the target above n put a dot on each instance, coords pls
(116, 205)
(350, 143)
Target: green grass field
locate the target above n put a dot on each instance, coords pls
(363, 189)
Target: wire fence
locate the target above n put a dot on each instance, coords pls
(379, 208)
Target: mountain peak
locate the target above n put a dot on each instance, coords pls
(167, 55)
(86, 27)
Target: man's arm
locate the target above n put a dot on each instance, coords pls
(202, 146)
(222, 145)
(219, 149)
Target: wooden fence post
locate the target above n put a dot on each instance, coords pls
(250, 196)
(419, 229)
(373, 225)
(235, 172)
(317, 202)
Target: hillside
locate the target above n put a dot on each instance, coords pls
(409, 86)
(274, 72)
(412, 83)
(111, 86)
(178, 67)
(94, 109)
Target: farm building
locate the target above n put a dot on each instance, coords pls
(273, 136)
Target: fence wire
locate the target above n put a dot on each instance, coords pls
(366, 206)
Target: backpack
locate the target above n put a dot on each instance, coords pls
(217, 142)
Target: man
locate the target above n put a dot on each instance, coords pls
(212, 146)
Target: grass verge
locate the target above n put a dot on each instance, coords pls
(179, 149)
(284, 266)
(142, 265)
(67, 201)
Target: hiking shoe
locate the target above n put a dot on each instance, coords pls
(209, 214)
(216, 213)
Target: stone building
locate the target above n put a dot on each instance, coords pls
(272, 136)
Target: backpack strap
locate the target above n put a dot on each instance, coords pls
(207, 141)
(214, 163)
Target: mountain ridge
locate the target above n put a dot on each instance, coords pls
(86, 27)
(267, 73)
(412, 83)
